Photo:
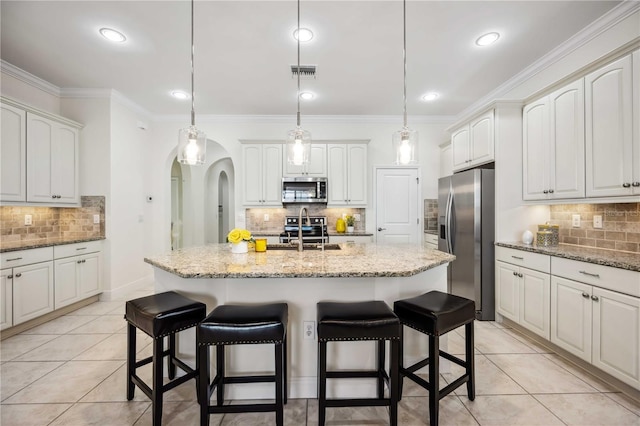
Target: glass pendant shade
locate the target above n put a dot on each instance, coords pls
(192, 146)
(298, 146)
(405, 145)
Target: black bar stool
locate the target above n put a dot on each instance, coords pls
(348, 321)
(159, 315)
(242, 325)
(435, 314)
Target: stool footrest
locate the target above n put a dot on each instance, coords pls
(356, 374)
(418, 365)
(241, 408)
(178, 381)
(452, 358)
(358, 402)
(142, 385)
(147, 360)
(249, 379)
(453, 385)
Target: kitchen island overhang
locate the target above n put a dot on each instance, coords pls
(356, 272)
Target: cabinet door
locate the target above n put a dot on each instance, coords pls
(13, 160)
(317, 163)
(64, 165)
(446, 161)
(535, 150)
(460, 148)
(90, 278)
(535, 307)
(32, 291)
(571, 316)
(481, 140)
(6, 298)
(609, 153)
(508, 291)
(566, 166)
(357, 174)
(636, 122)
(41, 133)
(616, 335)
(337, 174)
(252, 174)
(272, 175)
(66, 284)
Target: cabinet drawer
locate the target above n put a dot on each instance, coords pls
(76, 249)
(620, 280)
(535, 261)
(25, 257)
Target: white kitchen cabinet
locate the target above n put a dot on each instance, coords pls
(6, 298)
(32, 291)
(571, 317)
(446, 160)
(13, 160)
(347, 174)
(316, 167)
(473, 144)
(53, 161)
(77, 278)
(553, 145)
(609, 131)
(262, 174)
(636, 123)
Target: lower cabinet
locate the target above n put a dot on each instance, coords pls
(6, 298)
(32, 291)
(77, 277)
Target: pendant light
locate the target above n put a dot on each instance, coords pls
(192, 143)
(405, 141)
(298, 140)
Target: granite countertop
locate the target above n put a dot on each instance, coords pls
(352, 260)
(32, 244)
(330, 233)
(613, 258)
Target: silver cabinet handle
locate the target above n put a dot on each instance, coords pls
(635, 184)
(590, 274)
(551, 191)
(585, 295)
(520, 275)
(515, 273)
(9, 276)
(594, 298)
(79, 261)
(382, 229)
(626, 185)
(14, 259)
(518, 257)
(18, 275)
(81, 248)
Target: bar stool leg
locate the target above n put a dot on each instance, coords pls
(394, 375)
(279, 387)
(434, 376)
(469, 344)
(171, 366)
(220, 373)
(381, 360)
(202, 364)
(400, 362)
(284, 369)
(156, 392)
(131, 360)
(322, 382)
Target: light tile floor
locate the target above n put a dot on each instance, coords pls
(71, 371)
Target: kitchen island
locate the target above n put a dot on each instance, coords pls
(353, 272)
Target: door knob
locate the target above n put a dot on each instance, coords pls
(382, 229)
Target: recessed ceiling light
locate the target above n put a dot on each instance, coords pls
(431, 96)
(179, 94)
(487, 39)
(112, 35)
(305, 34)
(307, 96)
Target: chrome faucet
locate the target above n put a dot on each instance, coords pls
(300, 248)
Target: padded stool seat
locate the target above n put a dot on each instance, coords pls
(435, 314)
(238, 325)
(159, 315)
(349, 321)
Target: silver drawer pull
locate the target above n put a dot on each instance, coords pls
(590, 274)
(14, 259)
(585, 295)
(518, 257)
(18, 275)
(594, 298)
(81, 248)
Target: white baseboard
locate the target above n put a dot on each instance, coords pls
(122, 292)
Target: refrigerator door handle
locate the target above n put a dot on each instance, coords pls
(448, 222)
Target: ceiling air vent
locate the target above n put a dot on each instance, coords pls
(306, 71)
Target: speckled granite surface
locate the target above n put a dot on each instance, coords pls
(25, 245)
(616, 259)
(330, 233)
(353, 260)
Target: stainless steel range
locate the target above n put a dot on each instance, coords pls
(314, 232)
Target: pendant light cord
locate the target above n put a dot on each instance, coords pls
(298, 38)
(404, 57)
(193, 107)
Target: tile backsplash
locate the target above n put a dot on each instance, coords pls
(620, 225)
(430, 215)
(255, 217)
(52, 223)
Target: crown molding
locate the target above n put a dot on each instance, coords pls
(311, 119)
(111, 94)
(593, 30)
(29, 78)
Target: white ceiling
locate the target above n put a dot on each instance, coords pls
(244, 50)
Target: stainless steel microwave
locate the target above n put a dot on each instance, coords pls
(304, 190)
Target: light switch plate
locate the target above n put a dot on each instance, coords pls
(356, 216)
(28, 220)
(597, 221)
(96, 218)
(308, 328)
(266, 217)
(575, 221)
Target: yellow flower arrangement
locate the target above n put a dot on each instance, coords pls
(236, 235)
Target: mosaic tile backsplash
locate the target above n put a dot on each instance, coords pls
(52, 223)
(620, 225)
(255, 217)
(430, 215)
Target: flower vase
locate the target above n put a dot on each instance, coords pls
(349, 229)
(240, 247)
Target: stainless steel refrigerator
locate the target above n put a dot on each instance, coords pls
(466, 229)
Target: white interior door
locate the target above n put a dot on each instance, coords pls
(397, 216)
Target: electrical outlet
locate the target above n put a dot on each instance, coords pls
(266, 217)
(96, 218)
(309, 330)
(597, 221)
(28, 220)
(356, 216)
(575, 221)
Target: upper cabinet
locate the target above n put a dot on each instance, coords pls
(610, 145)
(262, 174)
(473, 143)
(553, 145)
(347, 174)
(317, 166)
(40, 157)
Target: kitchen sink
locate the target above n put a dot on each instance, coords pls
(305, 247)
